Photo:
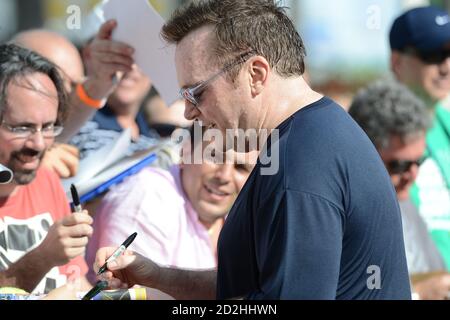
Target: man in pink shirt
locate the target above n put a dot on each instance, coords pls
(178, 214)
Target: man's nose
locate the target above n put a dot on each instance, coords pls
(413, 171)
(444, 67)
(190, 111)
(224, 172)
(37, 142)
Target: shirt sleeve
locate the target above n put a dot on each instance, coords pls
(298, 240)
(114, 221)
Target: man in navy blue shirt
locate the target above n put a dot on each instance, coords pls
(318, 217)
(323, 225)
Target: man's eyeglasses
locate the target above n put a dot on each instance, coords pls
(433, 57)
(25, 132)
(402, 166)
(192, 94)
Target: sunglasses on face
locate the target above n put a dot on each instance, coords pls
(402, 166)
(192, 94)
(433, 57)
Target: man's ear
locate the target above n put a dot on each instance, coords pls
(259, 72)
(396, 62)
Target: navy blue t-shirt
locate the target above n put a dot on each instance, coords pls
(107, 120)
(325, 225)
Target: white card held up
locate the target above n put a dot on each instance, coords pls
(139, 26)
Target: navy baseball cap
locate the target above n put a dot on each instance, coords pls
(426, 29)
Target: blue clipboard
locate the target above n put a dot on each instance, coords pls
(118, 178)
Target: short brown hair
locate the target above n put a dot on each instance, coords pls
(17, 62)
(240, 26)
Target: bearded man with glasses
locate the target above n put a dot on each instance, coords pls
(41, 242)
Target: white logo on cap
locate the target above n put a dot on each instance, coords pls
(442, 20)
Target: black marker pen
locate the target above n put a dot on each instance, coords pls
(118, 252)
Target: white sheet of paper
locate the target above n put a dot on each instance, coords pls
(111, 171)
(100, 160)
(139, 26)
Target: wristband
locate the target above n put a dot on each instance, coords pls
(84, 97)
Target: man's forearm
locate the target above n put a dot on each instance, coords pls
(79, 112)
(78, 115)
(187, 284)
(27, 272)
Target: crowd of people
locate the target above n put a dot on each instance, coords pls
(357, 207)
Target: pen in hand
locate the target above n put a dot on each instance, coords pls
(75, 198)
(118, 252)
(99, 286)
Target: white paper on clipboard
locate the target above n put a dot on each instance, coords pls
(100, 160)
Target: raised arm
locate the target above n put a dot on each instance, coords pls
(105, 61)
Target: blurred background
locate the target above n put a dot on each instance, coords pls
(346, 40)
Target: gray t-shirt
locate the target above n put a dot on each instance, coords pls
(421, 253)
